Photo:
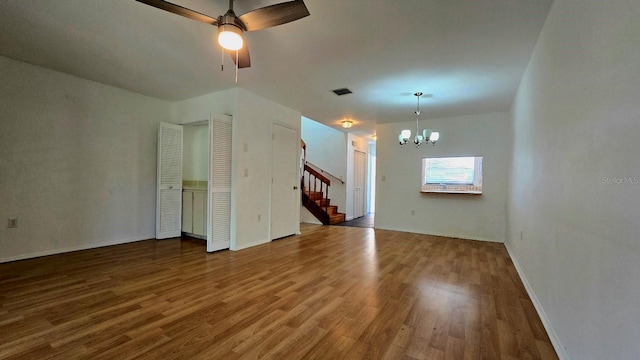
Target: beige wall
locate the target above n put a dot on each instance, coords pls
(575, 183)
(399, 170)
(77, 163)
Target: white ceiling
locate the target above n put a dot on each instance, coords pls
(468, 54)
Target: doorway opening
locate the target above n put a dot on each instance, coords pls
(367, 168)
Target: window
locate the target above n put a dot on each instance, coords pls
(462, 175)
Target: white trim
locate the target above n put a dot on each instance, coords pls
(255, 243)
(69, 249)
(463, 237)
(553, 336)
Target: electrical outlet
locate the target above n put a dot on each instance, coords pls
(259, 217)
(521, 235)
(413, 212)
(246, 172)
(12, 223)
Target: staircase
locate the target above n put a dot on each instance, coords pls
(315, 195)
(320, 207)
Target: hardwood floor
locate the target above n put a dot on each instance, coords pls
(366, 221)
(331, 293)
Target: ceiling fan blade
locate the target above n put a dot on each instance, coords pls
(274, 15)
(179, 10)
(244, 60)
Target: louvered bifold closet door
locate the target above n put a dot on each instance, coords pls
(220, 187)
(169, 188)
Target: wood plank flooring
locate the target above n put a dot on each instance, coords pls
(331, 293)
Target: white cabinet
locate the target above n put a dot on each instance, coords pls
(194, 212)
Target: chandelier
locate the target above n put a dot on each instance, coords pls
(427, 136)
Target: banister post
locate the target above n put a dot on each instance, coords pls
(326, 200)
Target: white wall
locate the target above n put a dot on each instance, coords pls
(481, 217)
(195, 153)
(307, 217)
(371, 177)
(200, 108)
(253, 118)
(576, 130)
(327, 148)
(77, 162)
(256, 116)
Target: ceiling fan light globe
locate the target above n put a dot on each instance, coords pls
(230, 37)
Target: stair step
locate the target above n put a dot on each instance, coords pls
(331, 209)
(323, 202)
(315, 195)
(337, 218)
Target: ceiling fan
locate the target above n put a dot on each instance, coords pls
(231, 28)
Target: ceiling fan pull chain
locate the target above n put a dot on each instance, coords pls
(222, 60)
(237, 66)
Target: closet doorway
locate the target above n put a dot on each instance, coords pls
(194, 181)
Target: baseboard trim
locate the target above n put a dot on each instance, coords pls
(66, 250)
(553, 336)
(440, 234)
(246, 246)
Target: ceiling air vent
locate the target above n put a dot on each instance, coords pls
(343, 91)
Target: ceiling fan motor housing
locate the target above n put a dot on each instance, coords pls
(230, 18)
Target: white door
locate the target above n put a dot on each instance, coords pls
(219, 220)
(169, 185)
(359, 183)
(285, 184)
(199, 212)
(187, 211)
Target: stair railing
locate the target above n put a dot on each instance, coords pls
(318, 168)
(316, 182)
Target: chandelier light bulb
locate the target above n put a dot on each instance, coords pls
(426, 134)
(435, 136)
